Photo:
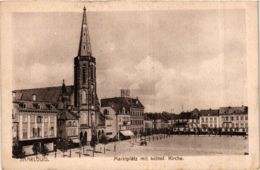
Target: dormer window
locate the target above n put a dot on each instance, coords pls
(106, 112)
(34, 97)
(48, 106)
(22, 105)
(136, 102)
(36, 106)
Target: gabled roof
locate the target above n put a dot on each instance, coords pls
(188, 115)
(47, 94)
(117, 103)
(233, 110)
(209, 112)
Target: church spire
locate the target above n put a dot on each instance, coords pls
(84, 45)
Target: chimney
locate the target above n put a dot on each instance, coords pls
(125, 93)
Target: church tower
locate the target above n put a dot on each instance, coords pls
(85, 96)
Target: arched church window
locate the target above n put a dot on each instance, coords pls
(106, 112)
(84, 74)
(83, 97)
(92, 71)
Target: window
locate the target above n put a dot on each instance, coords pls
(39, 119)
(246, 118)
(84, 74)
(51, 119)
(32, 118)
(206, 119)
(92, 71)
(237, 118)
(84, 97)
(242, 124)
(52, 131)
(246, 125)
(45, 119)
(106, 112)
(202, 119)
(69, 123)
(215, 119)
(36, 106)
(34, 97)
(48, 106)
(74, 123)
(25, 118)
(241, 118)
(22, 105)
(45, 131)
(25, 126)
(231, 118)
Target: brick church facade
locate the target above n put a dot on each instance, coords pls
(77, 102)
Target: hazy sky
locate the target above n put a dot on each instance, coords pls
(169, 59)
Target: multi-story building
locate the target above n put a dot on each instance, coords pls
(128, 112)
(234, 119)
(209, 118)
(34, 123)
(117, 118)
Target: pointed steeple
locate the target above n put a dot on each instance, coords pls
(63, 88)
(84, 45)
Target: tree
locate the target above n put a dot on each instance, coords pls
(18, 151)
(93, 143)
(104, 141)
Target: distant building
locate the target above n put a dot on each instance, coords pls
(234, 118)
(209, 118)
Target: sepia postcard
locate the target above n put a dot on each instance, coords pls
(129, 85)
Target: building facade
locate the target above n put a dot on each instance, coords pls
(34, 124)
(127, 114)
(234, 119)
(209, 118)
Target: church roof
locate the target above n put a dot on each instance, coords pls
(67, 115)
(46, 94)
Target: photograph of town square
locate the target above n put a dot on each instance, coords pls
(63, 120)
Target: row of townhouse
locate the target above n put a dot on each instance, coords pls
(228, 119)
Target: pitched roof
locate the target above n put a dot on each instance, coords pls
(46, 94)
(117, 103)
(194, 114)
(35, 106)
(233, 110)
(67, 115)
(209, 112)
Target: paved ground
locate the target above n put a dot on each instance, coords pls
(174, 145)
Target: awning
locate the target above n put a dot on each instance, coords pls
(75, 140)
(127, 132)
